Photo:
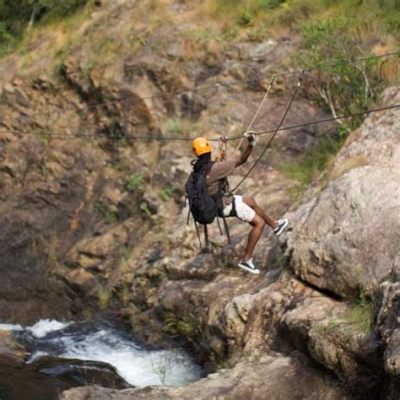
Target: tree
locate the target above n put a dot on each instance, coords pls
(342, 86)
(18, 15)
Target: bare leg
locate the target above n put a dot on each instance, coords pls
(258, 225)
(259, 211)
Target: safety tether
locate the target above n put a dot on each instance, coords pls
(271, 83)
(274, 134)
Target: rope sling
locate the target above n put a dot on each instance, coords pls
(289, 105)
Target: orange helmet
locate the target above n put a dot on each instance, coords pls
(201, 146)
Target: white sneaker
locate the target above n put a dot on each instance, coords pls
(281, 226)
(249, 266)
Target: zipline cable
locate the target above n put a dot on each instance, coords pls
(316, 67)
(323, 121)
(273, 136)
(185, 139)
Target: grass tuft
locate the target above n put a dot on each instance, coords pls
(309, 166)
(360, 316)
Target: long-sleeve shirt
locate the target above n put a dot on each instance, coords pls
(221, 170)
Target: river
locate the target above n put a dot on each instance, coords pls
(67, 354)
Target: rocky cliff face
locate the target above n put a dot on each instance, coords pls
(316, 310)
(98, 222)
(55, 192)
(274, 377)
(345, 240)
(76, 192)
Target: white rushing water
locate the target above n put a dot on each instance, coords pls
(101, 342)
(46, 326)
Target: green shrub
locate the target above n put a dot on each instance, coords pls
(183, 326)
(7, 41)
(134, 181)
(144, 206)
(392, 22)
(340, 86)
(17, 15)
(309, 165)
(56, 8)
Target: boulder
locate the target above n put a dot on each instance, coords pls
(79, 372)
(388, 327)
(10, 348)
(273, 377)
(47, 377)
(336, 335)
(334, 240)
(345, 240)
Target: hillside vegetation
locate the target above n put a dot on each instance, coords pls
(40, 36)
(16, 17)
(368, 22)
(329, 32)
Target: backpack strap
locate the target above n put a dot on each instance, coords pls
(219, 197)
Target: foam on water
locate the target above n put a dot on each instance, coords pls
(138, 366)
(39, 330)
(46, 326)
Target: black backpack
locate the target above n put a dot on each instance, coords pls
(204, 207)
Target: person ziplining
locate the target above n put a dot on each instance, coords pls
(210, 197)
(209, 194)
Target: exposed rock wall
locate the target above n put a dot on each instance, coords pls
(71, 210)
(101, 221)
(346, 239)
(55, 192)
(271, 377)
(228, 315)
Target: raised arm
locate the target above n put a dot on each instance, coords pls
(246, 150)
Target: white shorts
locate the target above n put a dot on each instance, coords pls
(243, 211)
